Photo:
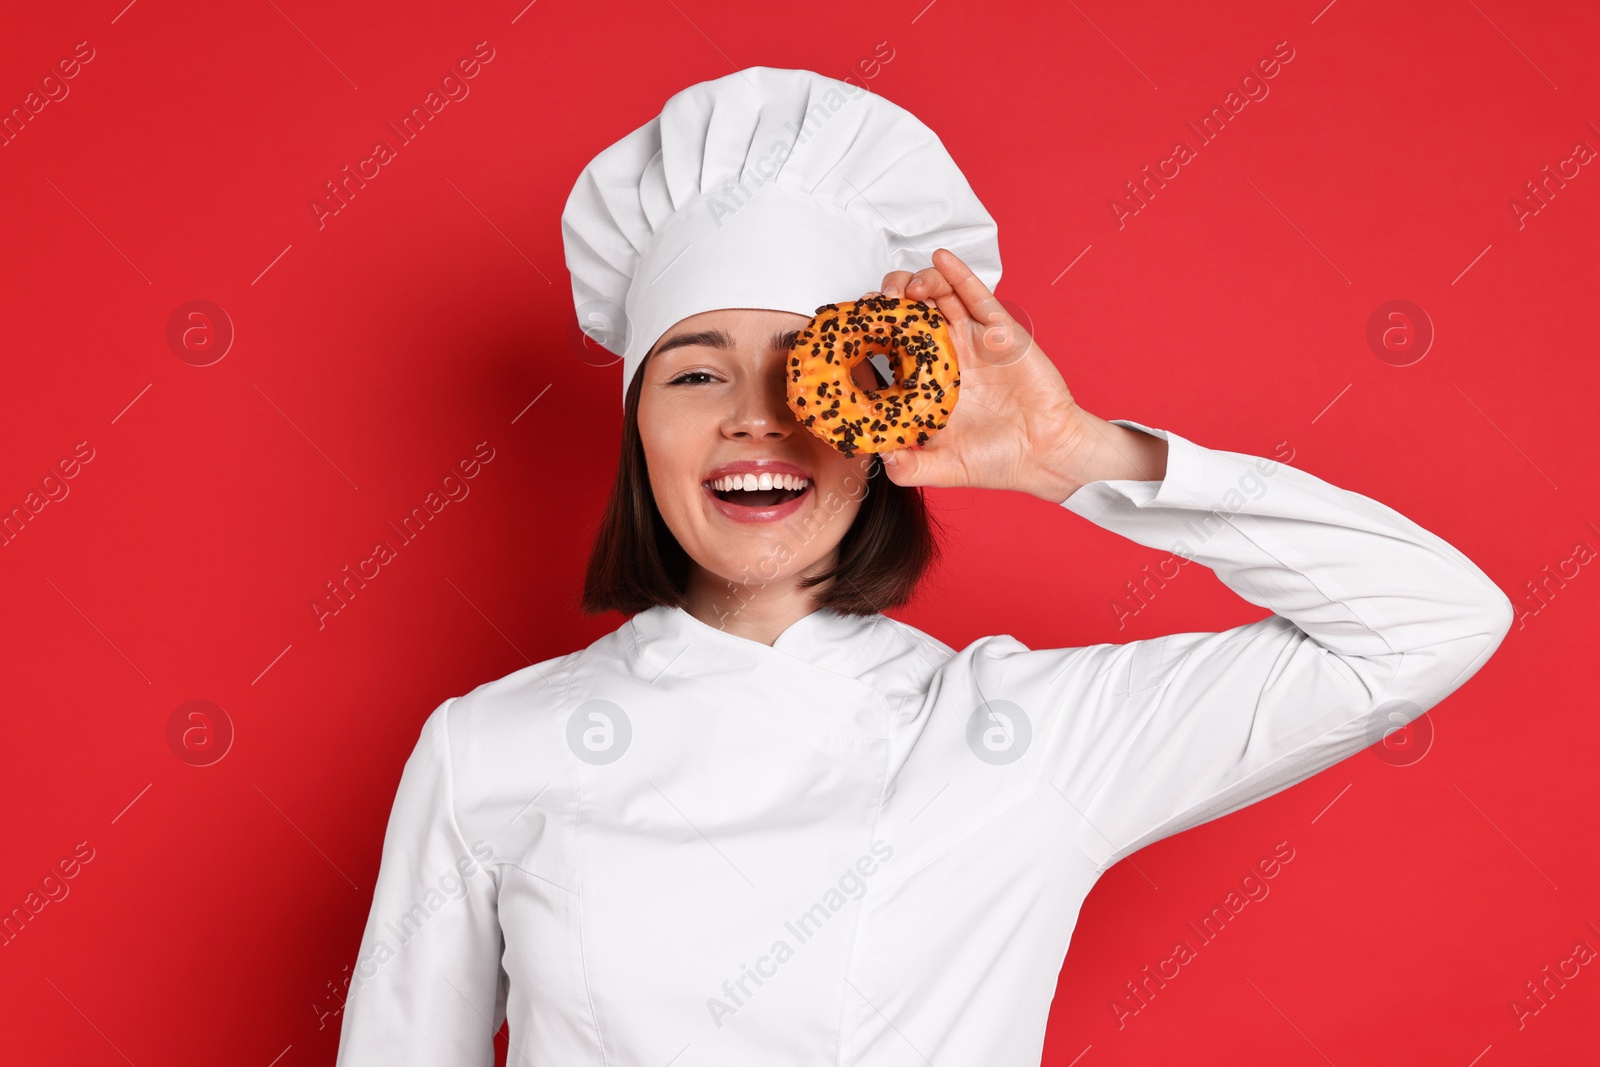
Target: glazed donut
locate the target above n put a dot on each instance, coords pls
(874, 375)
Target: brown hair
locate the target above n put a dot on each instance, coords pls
(637, 563)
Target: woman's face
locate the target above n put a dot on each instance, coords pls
(712, 405)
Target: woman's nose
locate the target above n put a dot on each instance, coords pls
(761, 409)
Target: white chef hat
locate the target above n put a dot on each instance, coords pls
(767, 188)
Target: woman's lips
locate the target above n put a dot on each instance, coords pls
(773, 513)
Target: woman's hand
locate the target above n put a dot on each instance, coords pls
(1015, 424)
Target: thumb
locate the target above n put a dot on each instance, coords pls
(906, 466)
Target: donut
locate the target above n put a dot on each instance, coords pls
(874, 375)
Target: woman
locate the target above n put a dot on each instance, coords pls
(761, 822)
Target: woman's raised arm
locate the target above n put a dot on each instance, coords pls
(1375, 621)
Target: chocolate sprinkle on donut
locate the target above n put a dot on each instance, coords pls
(874, 374)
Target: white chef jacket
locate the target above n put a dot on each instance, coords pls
(858, 845)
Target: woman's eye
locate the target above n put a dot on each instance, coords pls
(686, 375)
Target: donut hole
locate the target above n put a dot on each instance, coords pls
(875, 371)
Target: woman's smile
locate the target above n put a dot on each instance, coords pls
(731, 467)
(758, 490)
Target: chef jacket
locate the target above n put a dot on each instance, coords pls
(857, 845)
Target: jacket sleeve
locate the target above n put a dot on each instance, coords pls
(1375, 620)
(427, 988)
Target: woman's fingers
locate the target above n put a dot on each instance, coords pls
(1000, 338)
(966, 303)
(976, 300)
(928, 285)
(894, 283)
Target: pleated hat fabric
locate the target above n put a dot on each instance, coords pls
(768, 188)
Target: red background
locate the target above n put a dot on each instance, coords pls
(374, 352)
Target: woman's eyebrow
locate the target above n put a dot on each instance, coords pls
(782, 340)
(705, 338)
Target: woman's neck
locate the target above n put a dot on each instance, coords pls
(757, 613)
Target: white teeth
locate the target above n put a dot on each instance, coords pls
(753, 482)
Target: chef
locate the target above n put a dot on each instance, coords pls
(762, 822)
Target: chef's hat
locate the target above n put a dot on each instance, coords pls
(767, 188)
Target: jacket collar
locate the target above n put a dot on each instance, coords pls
(823, 659)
